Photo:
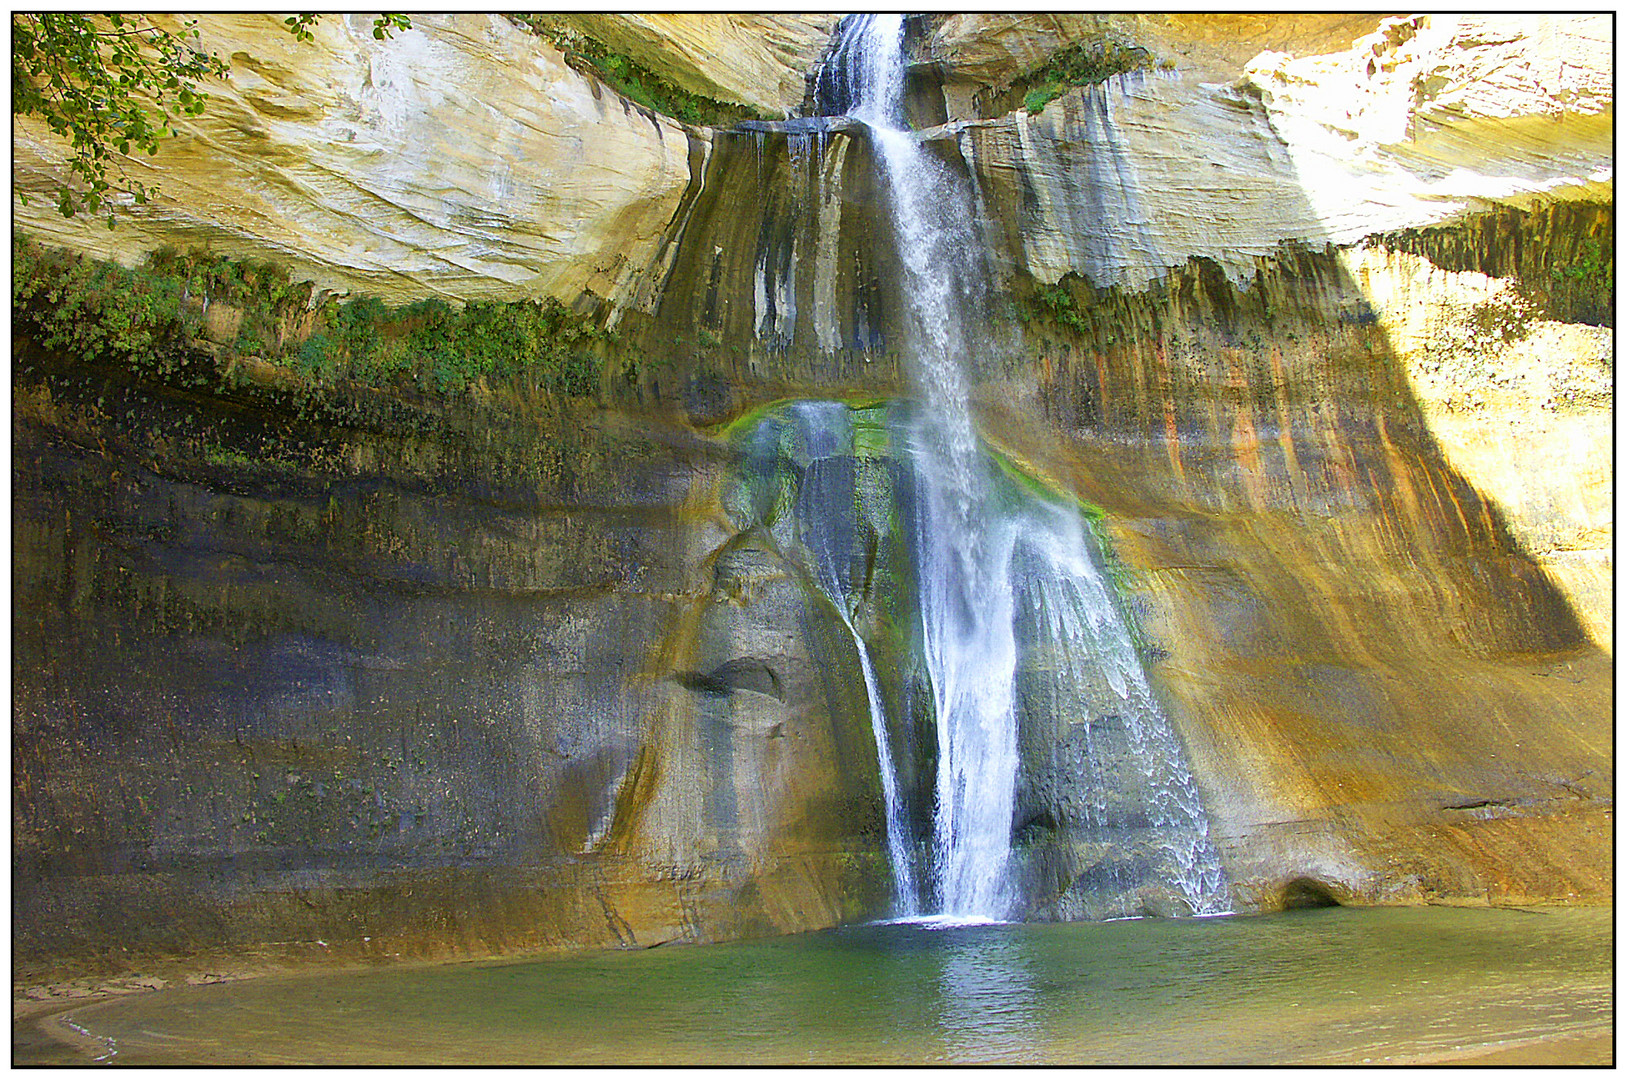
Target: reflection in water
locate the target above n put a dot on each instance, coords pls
(1340, 985)
(989, 1008)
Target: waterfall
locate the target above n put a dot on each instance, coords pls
(964, 549)
(998, 582)
(905, 893)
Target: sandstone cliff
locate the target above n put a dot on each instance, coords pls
(1317, 316)
(461, 159)
(753, 59)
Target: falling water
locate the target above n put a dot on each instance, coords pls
(906, 893)
(966, 603)
(1071, 630)
(985, 570)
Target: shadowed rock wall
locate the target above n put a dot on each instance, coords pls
(447, 677)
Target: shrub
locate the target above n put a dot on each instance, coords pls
(1057, 301)
(95, 309)
(1080, 65)
(150, 318)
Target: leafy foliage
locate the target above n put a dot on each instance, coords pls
(215, 277)
(112, 85)
(1057, 301)
(152, 319)
(429, 340)
(1079, 65)
(384, 26)
(91, 77)
(1594, 267)
(95, 309)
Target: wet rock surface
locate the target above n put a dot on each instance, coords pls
(418, 670)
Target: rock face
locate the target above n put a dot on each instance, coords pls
(333, 156)
(447, 679)
(992, 50)
(1518, 403)
(751, 59)
(1320, 319)
(461, 159)
(1118, 183)
(1381, 690)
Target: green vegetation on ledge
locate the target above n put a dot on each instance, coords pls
(1078, 65)
(1594, 267)
(632, 80)
(1057, 302)
(178, 304)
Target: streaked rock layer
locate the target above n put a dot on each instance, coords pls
(1422, 121)
(462, 159)
(752, 59)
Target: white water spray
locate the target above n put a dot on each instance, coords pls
(966, 603)
(986, 570)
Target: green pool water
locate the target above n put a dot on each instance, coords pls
(1334, 985)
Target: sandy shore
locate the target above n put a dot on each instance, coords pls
(1564, 1049)
(40, 1039)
